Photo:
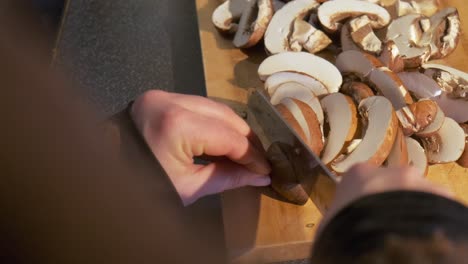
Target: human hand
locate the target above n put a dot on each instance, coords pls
(364, 179)
(179, 127)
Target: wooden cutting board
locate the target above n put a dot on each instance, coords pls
(258, 227)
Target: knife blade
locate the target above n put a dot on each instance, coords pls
(310, 172)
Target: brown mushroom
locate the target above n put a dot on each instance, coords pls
(358, 63)
(416, 155)
(454, 82)
(379, 136)
(277, 79)
(253, 23)
(342, 120)
(357, 90)
(463, 160)
(420, 85)
(434, 126)
(391, 58)
(398, 155)
(447, 144)
(226, 16)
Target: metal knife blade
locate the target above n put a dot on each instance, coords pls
(315, 178)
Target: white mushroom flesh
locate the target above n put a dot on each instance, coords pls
(226, 16)
(298, 115)
(416, 155)
(275, 80)
(302, 62)
(420, 85)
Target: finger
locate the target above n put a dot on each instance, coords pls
(210, 108)
(213, 137)
(220, 176)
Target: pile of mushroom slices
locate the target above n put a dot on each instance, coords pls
(358, 110)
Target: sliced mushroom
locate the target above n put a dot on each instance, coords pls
(463, 160)
(416, 155)
(253, 23)
(420, 85)
(447, 144)
(275, 80)
(424, 7)
(398, 155)
(277, 5)
(443, 34)
(454, 82)
(308, 37)
(378, 138)
(390, 86)
(301, 93)
(331, 13)
(347, 42)
(405, 32)
(357, 90)
(358, 63)
(391, 58)
(302, 62)
(363, 35)
(304, 121)
(279, 29)
(341, 117)
(352, 145)
(226, 16)
(425, 112)
(434, 126)
(453, 108)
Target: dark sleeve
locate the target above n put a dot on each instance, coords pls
(364, 225)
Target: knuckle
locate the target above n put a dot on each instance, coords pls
(172, 117)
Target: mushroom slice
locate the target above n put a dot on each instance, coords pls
(227, 14)
(416, 155)
(303, 120)
(277, 5)
(357, 90)
(275, 80)
(390, 57)
(378, 138)
(279, 29)
(331, 13)
(424, 7)
(341, 116)
(463, 160)
(420, 85)
(390, 86)
(347, 42)
(425, 112)
(363, 35)
(405, 32)
(308, 37)
(301, 93)
(443, 34)
(357, 62)
(454, 82)
(453, 108)
(302, 62)
(253, 23)
(447, 144)
(398, 155)
(434, 126)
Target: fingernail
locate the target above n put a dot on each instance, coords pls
(261, 181)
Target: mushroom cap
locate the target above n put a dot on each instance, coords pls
(454, 82)
(253, 23)
(279, 29)
(342, 119)
(416, 155)
(332, 12)
(425, 112)
(453, 108)
(378, 138)
(275, 80)
(447, 144)
(227, 14)
(390, 57)
(302, 62)
(357, 62)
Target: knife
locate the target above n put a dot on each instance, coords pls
(297, 173)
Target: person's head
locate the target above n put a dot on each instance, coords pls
(383, 215)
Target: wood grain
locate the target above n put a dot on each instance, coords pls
(259, 227)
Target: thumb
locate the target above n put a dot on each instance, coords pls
(224, 175)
